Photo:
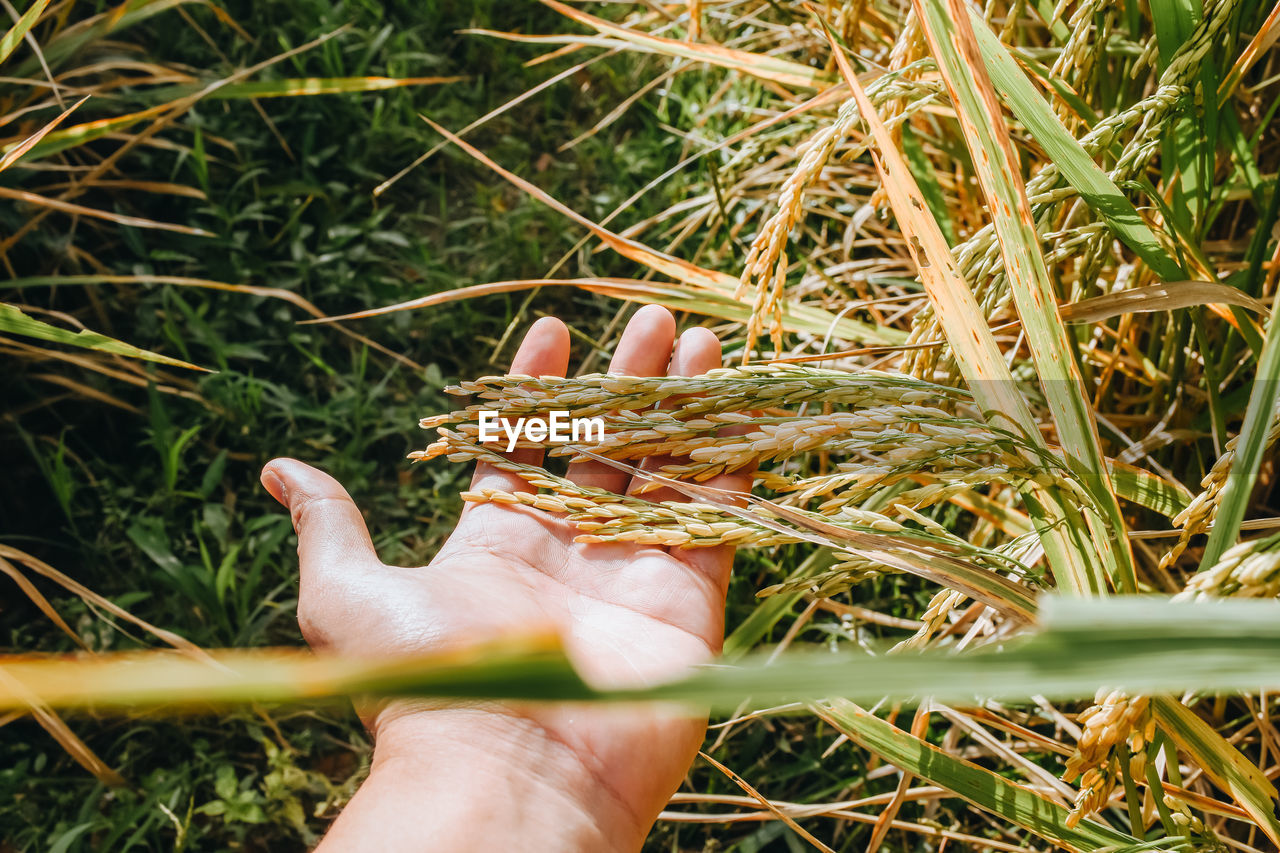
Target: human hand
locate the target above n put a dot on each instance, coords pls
(538, 777)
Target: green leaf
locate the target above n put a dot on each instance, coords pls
(952, 40)
(1251, 444)
(225, 784)
(298, 87)
(70, 40)
(79, 134)
(64, 842)
(767, 613)
(1140, 644)
(927, 177)
(1149, 490)
(19, 30)
(981, 787)
(1173, 21)
(1064, 151)
(15, 322)
(1223, 763)
(1046, 8)
(1143, 645)
(532, 667)
(61, 140)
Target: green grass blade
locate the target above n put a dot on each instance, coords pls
(19, 30)
(61, 140)
(1173, 21)
(70, 40)
(1145, 645)
(16, 151)
(1141, 644)
(1045, 9)
(1149, 490)
(927, 177)
(79, 134)
(15, 322)
(951, 38)
(1027, 59)
(1064, 151)
(983, 788)
(1250, 447)
(1223, 763)
(530, 666)
(299, 87)
(752, 630)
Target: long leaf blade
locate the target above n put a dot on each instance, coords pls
(1251, 444)
(19, 30)
(1223, 763)
(979, 357)
(1064, 150)
(981, 787)
(14, 321)
(1140, 644)
(950, 34)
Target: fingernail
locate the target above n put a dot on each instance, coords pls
(276, 487)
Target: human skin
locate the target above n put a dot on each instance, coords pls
(493, 776)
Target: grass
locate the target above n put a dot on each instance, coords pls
(1045, 319)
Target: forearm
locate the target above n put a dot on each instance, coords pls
(468, 782)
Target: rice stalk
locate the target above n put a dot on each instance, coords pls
(1100, 111)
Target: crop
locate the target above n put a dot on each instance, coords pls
(1032, 247)
(1047, 224)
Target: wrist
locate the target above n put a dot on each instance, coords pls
(480, 778)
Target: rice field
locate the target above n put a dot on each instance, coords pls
(995, 286)
(1031, 248)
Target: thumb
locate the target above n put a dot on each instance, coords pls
(333, 542)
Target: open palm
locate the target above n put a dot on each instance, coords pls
(628, 614)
